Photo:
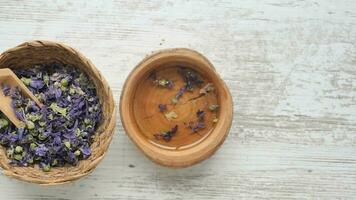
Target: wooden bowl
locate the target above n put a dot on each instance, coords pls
(142, 119)
(42, 52)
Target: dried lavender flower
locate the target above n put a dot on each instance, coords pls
(71, 106)
(190, 77)
(162, 107)
(195, 127)
(200, 115)
(167, 135)
(180, 93)
(6, 90)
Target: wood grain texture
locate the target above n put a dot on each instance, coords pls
(291, 68)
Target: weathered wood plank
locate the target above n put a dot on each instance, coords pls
(290, 66)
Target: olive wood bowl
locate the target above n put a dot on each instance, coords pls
(141, 118)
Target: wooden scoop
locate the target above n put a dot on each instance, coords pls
(7, 77)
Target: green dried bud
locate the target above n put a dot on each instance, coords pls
(3, 123)
(34, 132)
(33, 118)
(46, 79)
(42, 123)
(71, 90)
(174, 100)
(18, 157)
(91, 109)
(67, 144)
(78, 132)
(22, 125)
(63, 88)
(18, 149)
(64, 82)
(30, 125)
(56, 84)
(54, 162)
(42, 137)
(33, 146)
(162, 82)
(29, 138)
(50, 117)
(26, 81)
(30, 161)
(83, 80)
(96, 108)
(79, 91)
(77, 153)
(57, 109)
(87, 121)
(46, 168)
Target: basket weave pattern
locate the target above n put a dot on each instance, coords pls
(42, 52)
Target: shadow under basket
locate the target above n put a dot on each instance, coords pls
(44, 52)
(145, 123)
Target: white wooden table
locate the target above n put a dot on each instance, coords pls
(290, 65)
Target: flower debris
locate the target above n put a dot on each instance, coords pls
(214, 107)
(171, 115)
(167, 135)
(162, 107)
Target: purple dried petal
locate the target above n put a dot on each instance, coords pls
(6, 90)
(167, 136)
(20, 116)
(195, 127)
(32, 107)
(58, 93)
(180, 93)
(86, 151)
(162, 107)
(37, 84)
(170, 84)
(200, 125)
(190, 77)
(20, 133)
(41, 150)
(200, 115)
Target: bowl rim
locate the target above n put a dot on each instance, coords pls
(185, 157)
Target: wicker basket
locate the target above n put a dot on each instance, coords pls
(41, 52)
